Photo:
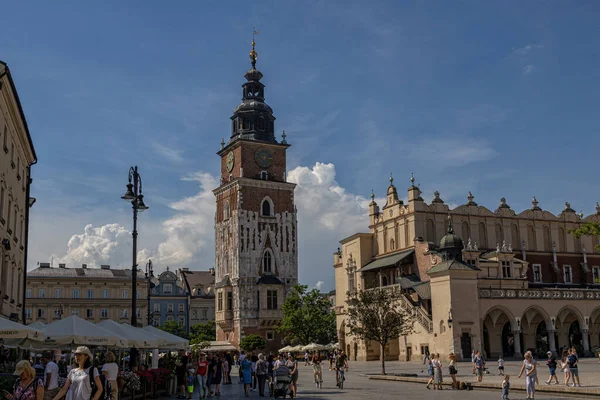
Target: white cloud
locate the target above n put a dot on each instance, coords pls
(528, 69)
(326, 214)
(170, 154)
(523, 51)
(454, 151)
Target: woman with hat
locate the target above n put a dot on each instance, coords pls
(27, 386)
(78, 379)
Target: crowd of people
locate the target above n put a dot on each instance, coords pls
(568, 364)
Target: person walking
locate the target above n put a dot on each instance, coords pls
(500, 366)
(573, 361)
(564, 366)
(437, 372)
(50, 376)
(261, 374)
(505, 387)
(78, 379)
(551, 363)
(430, 373)
(27, 385)
(202, 375)
(530, 366)
(479, 365)
(426, 356)
(246, 371)
(292, 364)
(110, 370)
(181, 373)
(452, 370)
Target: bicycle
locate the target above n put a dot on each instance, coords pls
(340, 378)
(318, 375)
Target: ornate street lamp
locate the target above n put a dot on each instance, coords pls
(136, 198)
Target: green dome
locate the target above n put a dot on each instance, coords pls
(451, 241)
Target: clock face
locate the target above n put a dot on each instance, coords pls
(263, 158)
(229, 161)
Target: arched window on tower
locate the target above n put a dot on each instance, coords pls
(261, 123)
(562, 239)
(267, 209)
(465, 231)
(430, 231)
(499, 234)
(392, 245)
(267, 262)
(514, 237)
(226, 210)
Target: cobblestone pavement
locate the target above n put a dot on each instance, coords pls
(359, 387)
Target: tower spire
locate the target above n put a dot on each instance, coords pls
(253, 53)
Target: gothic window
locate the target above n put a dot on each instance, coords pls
(514, 236)
(406, 234)
(392, 245)
(267, 262)
(384, 280)
(506, 269)
(499, 234)
(430, 231)
(261, 123)
(561, 239)
(531, 242)
(483, 243)
(267, 208)
(465, 231)
(271, 299)
(264, 175)
(547, 239)
(226, 210)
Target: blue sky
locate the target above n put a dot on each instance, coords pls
(499, 98)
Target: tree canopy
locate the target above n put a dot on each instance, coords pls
(307, 317)
(587, 229)
(253, 342)
(376, 315)
(202, 333)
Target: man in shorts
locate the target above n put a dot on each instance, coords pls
(479, 366)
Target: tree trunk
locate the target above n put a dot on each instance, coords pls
(382, 357)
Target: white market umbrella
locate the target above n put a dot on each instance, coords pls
(296, 349)
(314, 347)
(173, 341)
(135, 337)
(13, 330)
(37, 325)
(77, 331)
(285, 349)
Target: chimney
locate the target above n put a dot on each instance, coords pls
(105, 267)
(44, 265)
(63, 266)
(212, 271)
(83, 266)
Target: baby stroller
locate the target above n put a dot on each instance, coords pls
(280, 386)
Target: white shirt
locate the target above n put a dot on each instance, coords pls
(52, 369)
(112, 369)
(80, 383)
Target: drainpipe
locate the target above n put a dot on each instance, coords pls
(29, 203)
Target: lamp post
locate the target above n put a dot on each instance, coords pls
(149, 276)
(136, 198)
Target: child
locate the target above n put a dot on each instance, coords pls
(190, 384)
(505, 387)
(500, 366)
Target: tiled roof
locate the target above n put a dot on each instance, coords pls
(454, 265)
(423, 290)
(269, 280)
(93, 273)
(195, 278)
(387, 261)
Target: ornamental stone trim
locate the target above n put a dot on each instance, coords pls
(556, 294)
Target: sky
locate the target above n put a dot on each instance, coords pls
(496, 98)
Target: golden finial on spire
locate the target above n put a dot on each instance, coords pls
(253, 53)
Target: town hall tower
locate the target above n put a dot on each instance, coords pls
(256, 250)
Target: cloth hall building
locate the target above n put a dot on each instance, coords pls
(498, 281)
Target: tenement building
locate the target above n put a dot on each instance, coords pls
(256, 258)
(199, 286)
(169, 300)
(94, 294)
(17, 155)
(498, 281)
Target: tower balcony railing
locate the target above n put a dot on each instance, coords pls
(223, 315)
(541, 294)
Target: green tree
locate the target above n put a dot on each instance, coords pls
(252, 342)
(587, 229)
(376, 315)
(201, 333)
(174, 328)
(307, 317)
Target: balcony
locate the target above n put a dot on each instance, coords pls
(269, 317)
(224, 319)
(541, 294)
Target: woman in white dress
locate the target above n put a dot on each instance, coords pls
(78, 379)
